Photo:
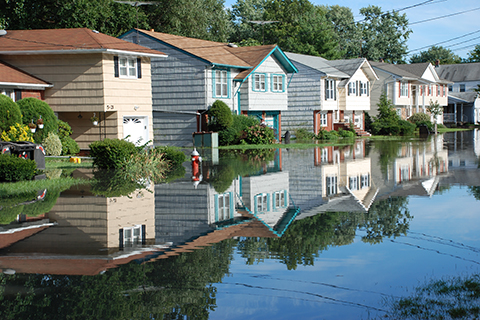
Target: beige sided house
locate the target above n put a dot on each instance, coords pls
(93, 74)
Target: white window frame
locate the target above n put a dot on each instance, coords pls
(221, 84)
(353, 183)
(363, 88)
(403, 89)
(323, 119)
(8, 92)
(329, 89)
(279, 199)
(331, 185)
(352, 88)
(365, 180)
(439, 93)
(277, 83)
(260, 82)
(324, 155)
(132, 235)
(127, 67)
(262, 203)
(224, 206)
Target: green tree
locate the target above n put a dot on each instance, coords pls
(32, 110)
(347, 33)
(474, 55)
(384, 34)
(105, 16)
(435, 110)
(245, 32)
(10, 113)
(387, 119)
(446, 56)
(202, 19)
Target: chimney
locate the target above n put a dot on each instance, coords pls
(437, 63)
(381, 60)
(152, 30)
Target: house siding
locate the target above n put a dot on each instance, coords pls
(356, 102)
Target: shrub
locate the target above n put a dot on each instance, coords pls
(10, 113)
(173, 155)
(429, 125)
(304, 134)
(111, 153)
(345, 133)
(368, 122)
(386, 123)
(16, 169)
(33, 109)
(259, 135)
(327, 135)
(69, 146)
(18, 132)
(147, 164)
(419, 117)
(236, 132)
(52, 145)
(219, 116)
(406, 128)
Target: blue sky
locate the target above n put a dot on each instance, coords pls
(427, 33)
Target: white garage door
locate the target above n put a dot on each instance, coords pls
(136, 128)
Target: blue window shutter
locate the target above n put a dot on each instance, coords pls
(120, 238)
(285, 198)
(231, 204)
(269, 202)
(255, 204)
(214, 92)
(139, 68)
(368, 88)
(115, 66)
(216, 207)
(229, 88)
(283, 83)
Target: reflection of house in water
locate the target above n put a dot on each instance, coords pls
(254, 206)
(89, 234)
(331, 179)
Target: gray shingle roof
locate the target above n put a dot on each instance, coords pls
(317, 63)
(394, 69)
(459, 72)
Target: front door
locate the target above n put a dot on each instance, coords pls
(135, 129)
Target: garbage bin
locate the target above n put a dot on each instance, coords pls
(25, 150)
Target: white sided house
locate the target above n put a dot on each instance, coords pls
(410, 87)
(327, 95)
(250, 80)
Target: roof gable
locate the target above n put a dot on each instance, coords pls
(11, 75)
(75, 40)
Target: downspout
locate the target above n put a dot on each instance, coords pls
(237, 92)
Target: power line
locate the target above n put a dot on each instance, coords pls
(404, 8)
(445, 16)
(438, 43)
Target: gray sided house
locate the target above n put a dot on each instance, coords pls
(463, 101)
(250, 80)
(327, 95)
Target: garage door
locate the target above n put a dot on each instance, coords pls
(136, 129)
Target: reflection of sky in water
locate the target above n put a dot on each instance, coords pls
(442, 241)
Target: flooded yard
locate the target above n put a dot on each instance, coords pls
(340, 232)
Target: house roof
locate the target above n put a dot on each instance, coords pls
(413, 71)
(222, 54)
(75, 40)
(394, 69)
(460, 72)
(319, 64)
(12, 76)
(460, 97)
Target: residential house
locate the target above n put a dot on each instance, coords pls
(18, 84)
(328, 94)
(463, 101)
(250, 80)
(410, 87)
(92, 74)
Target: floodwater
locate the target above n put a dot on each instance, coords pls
(321, 233)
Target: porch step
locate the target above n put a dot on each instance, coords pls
(362, 133)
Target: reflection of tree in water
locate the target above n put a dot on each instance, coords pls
(306, 238)
(475, 192)
(175, 288)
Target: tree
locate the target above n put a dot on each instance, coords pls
(384, 35)
(446, 56)
(201, 19)
(435, 110)
(105, 16)
(347, 33)
(245, 32)
(474, 55)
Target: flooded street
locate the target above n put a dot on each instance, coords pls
(321, 233)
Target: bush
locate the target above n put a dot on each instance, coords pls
(10, 113)
(173, 155)
(111, 153)
(259, 134)
(406, 128)
(428, 124)
(419, 117)
(148, 164)
(346, 133)
(219, 116)
(236, 132)
(52, 145)
(33, 109)
(69, 146)
(327, 135)
(18, 132)
(304, 134)
(16, 169)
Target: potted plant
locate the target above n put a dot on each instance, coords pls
(94, 119)
(40, 123)
(32, 126)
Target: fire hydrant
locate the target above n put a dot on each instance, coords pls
(196, 160)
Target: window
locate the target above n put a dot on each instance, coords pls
(132, 236)
(330, 89)
(438, 91)
(404, 89)
(128, 67)
(277, 83)
(353, 183)
(223, 206)
(352, 88)
(430, 90)
(331, 185)
(259, 82)
(462, 88)
(324, 156)
(405, 173)
(261, 203)
(364, 88)
(364, 180)
(279, 199)
(8, 93)
(323, 119)
(450, 88)
(221, 83)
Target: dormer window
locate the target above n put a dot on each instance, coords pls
(128, 67)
